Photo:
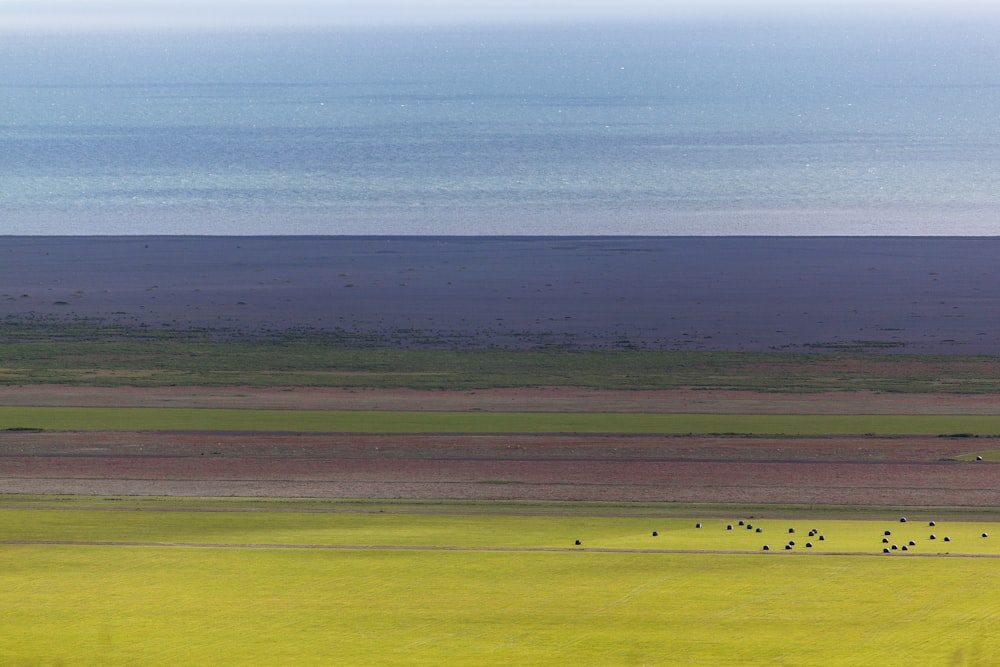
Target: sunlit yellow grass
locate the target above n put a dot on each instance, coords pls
(519, 592)
(477, 531)
(141, 605)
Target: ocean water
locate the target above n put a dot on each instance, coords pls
(675, 129)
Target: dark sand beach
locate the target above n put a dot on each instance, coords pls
(919, 295)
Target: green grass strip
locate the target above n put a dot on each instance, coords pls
(89, 353)
(560, 508)
(361, 421)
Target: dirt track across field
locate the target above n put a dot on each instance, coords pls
(496, 549)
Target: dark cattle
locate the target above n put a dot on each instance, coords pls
(655, 533)
(578, 542)
(888, 532)
(759, 530)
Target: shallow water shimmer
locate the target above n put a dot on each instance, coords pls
(684, 129)
(938, 295)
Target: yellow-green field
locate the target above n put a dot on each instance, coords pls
(362, 586)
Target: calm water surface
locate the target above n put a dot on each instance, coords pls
(657, 130)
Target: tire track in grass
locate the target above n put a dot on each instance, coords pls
(451, 548)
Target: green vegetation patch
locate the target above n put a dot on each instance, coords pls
(704, 511)
(992, 455)
(366, 421)
(94, 354)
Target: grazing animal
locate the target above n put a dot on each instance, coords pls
(578, 542)
(655, 534)
(767, 548)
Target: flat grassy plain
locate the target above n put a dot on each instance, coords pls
(155, 581)
(361, 587)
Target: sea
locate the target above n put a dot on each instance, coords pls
(712, 128)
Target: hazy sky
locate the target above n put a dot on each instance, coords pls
(21, 15)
